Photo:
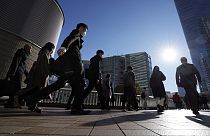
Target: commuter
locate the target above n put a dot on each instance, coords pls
(158, 89)
(186, 77)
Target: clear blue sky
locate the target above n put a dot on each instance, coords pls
(128, 26)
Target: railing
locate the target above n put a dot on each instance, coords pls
(61, 97)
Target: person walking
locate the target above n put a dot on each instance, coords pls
(94, 76)
(129, 90)
(158, 89)
(107, 92)
(187, 76)
(16, 72)
(143, 99)
(38, 75)
(177, 101)
(69, 68)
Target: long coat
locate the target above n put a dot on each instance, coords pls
(39, 73)
(18, 65)
(156, 83)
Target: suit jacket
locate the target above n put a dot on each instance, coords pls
(71, 60)
(187, 75)
(94, 71)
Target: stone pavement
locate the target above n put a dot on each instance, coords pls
(58, 122)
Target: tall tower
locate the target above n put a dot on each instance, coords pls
(115, 66)
(32, 22)
(142, 68)
(195, 19)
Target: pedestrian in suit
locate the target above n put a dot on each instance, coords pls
(94, 76)
(186, 77)
(38, 75)
(17, 70)
(129, 90)
(158, 89)
(69, 69)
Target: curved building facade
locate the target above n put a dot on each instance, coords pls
(33, 22)
(195, 19)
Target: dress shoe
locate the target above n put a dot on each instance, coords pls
(196, 112)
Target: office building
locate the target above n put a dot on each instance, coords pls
(32, 22)
(195, 19)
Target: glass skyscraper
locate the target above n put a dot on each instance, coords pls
(195, 19)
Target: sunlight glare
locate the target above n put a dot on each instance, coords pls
(169, 54)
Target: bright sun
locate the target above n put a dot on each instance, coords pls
(169, 54)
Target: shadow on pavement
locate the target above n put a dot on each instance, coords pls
(7, 112)
(201, 119)
(125, 118)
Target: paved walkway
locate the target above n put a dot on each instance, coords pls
(58, 122)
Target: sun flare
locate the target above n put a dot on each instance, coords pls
(169, 54)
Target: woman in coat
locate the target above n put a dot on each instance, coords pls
(158, 89)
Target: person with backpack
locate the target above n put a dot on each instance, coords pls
(186, 77)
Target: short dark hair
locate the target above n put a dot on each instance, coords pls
(183, 59)
(108, 75)
(100, 51)
(81, 24)
(48, 46)
(129, 68)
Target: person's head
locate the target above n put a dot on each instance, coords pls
(129, 68)
(82, 27)
(176, 93)
(100, 53)
(49, 46)
(27, 48)
(156, 68)
(61, 51)
(183, 60)
(108, 76)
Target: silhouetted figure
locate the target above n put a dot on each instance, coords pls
(186, 77)
(16, 72)
(94, 76)
(143, 99)
(106, 87)
(38, 75)
(166, 102)
(113, 95)
(69, 68)
(158, 89)
(177, 101)
(187, 103)
(129, 90)
(204, 102)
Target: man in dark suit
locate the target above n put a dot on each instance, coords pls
(69, 67)
(186, 77)
(94, 76)
(16, 71)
